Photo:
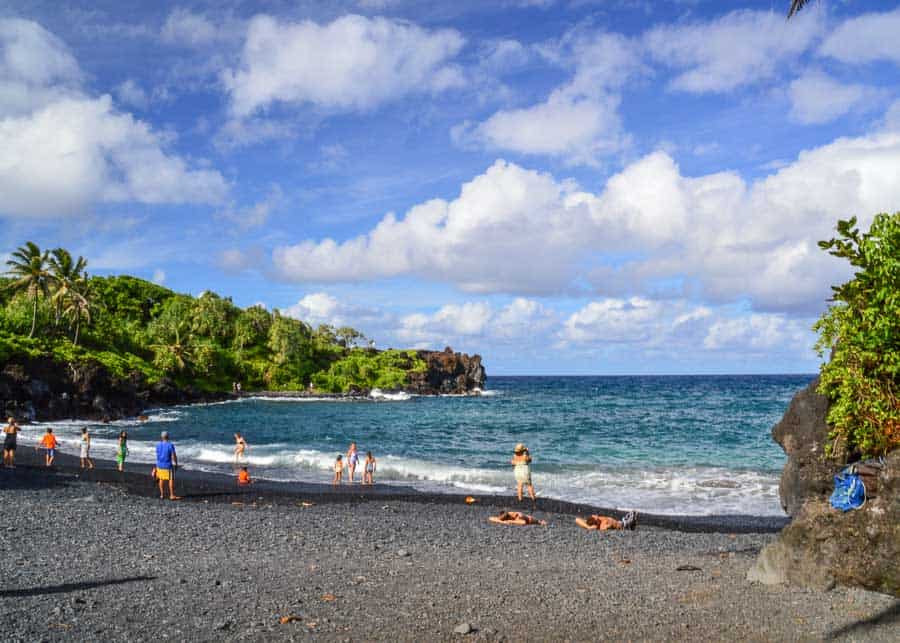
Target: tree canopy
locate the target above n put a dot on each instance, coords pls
(861, 332)
(50, 307)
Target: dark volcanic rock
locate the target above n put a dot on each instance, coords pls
(44, 389)
(803, 433)
(823, 546)
(447, 373)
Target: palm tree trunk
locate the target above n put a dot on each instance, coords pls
(33, 316)
(77, 326)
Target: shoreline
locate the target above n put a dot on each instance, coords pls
(90, 557)
(203, 486)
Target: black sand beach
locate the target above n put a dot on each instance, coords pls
(97, 556)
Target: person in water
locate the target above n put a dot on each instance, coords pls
(50, 443)
(122, 450)
(604, 523)
(515, 518)
(240, 445)
(9, 442)
(369, 471)
(352, 460)
(521, 462)
(85, 444)
(338, 470)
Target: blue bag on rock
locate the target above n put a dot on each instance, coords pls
(849, 490)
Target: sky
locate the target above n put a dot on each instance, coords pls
(562, 186)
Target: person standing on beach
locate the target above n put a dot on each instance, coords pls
(86, 449)
(49, 442)
(352, 460)
(166, 461)
(338, 470)
(521, 462)
(9, 443)
(369, 469)
(122, 450)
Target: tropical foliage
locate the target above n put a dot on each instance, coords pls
(861, 332)
(50, 307)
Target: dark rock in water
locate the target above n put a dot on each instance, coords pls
(822, 545)
(803, 433)
(447, 372)
(45, 389)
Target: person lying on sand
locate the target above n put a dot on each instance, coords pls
(515, 518)
(604, 523)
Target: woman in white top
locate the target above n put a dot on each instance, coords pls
(86, 449)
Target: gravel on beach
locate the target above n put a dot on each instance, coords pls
(87, 559)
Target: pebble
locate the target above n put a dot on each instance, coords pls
(462, 628)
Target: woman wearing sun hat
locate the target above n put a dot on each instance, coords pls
(521, 462)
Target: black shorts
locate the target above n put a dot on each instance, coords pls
(9, 444)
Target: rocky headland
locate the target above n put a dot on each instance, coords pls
(46, 389)
(822, 546)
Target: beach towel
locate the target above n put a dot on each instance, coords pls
(849, 490)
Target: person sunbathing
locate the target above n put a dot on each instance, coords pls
(604, 523)
(515, 518)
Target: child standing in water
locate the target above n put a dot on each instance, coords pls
(352, 459)
(122, 450)
(369, 473)
(338, 470)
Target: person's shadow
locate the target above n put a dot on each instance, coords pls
(887, 616)
(70, 587)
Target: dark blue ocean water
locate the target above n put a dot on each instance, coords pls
(668, 444)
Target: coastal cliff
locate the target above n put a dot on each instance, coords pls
(46, 389)
(822, 546)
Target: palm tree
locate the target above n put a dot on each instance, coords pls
(28, 268)
(79, 304)
(66, 273)
(796, 5)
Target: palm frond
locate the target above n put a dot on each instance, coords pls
(796, 5)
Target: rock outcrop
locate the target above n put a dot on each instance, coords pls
(447, 373)
(44, 389)
(823, 546)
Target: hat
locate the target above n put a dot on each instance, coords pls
(519, 448)
(164, 435)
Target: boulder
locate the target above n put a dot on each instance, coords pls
(447, 372)
(822, 546)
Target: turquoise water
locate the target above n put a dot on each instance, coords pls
(696, 445)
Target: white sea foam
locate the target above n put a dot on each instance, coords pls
(399, 396)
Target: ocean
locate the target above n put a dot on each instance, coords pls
(684, 445)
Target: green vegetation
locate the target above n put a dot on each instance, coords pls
(50, 307)
(861, 330)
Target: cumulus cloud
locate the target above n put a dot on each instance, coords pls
(93, 152)
(131, 94)
(738, 49)
(818, 98)
(353, 63)
(579, 120)
(866, 38)
(513, 230)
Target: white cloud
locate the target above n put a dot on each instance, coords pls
(131, 94)
(512, 230)
(323, 308)
(93, 152)
(185, 28)
(740, 48)
(579, 120)
(257, 214)
(757, 332)
(817, 98)
(352, 63)
(159, 276)
(866, 38)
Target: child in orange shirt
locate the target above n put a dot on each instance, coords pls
(49, 442)
(244, 476)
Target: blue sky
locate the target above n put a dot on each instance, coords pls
(561, 186)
